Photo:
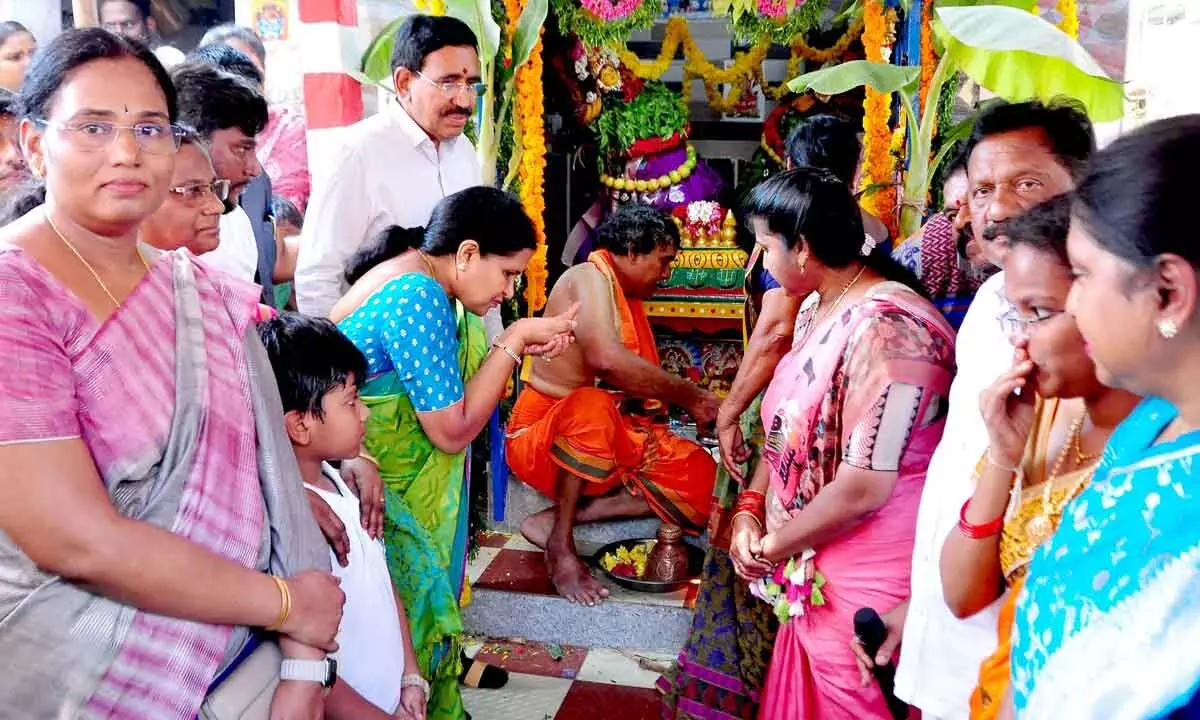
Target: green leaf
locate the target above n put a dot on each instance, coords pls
(1026, 5)
(364, 80)
(477, 14)
(1019, 56)
(817, 599)
(839, 78)
(377, 60)
(782, 611)
(525, 35)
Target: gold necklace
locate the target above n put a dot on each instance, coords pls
(1040, 527)
(88, 265)
(428, 264)
(845, 289)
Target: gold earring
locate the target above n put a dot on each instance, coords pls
(803, 265)
(1167, 329)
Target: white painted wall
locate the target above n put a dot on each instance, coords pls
(42, 17)
(1163, 52)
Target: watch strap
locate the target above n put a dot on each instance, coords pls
(316, 671)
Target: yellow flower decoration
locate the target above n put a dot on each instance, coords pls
(1069, 9)
(878, 163)
(745, 69)
(529, 112)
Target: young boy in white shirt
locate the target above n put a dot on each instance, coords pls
(318, 370)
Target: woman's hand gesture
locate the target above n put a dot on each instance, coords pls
(548, 336)
(1009, 415)
(745, 549)
(317, 600)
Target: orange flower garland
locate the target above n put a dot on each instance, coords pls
(528, 112)
(878, 165)
(929, 58)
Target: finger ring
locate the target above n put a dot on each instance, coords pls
(857, 640)
(381, 498)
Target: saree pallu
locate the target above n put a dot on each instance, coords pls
(178, 407)
(425, 530)
(1108, 624)
(865, 388)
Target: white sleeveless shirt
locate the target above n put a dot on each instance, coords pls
(370, 652)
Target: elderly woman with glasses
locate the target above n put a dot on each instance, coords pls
(1048, 418)
(190, 216)
(153, 528)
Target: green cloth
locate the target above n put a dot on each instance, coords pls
(423, 530)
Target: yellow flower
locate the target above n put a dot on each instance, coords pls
(1069, 24)
(609, 78)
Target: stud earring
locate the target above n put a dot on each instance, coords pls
(462, 267)
(1167, 329)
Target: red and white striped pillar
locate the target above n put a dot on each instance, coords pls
(328, 44)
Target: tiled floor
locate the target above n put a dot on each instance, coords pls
(552, 682)
(510, 563)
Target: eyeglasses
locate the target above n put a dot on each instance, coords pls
(450, 88)
(90, 135)
(1014, 324)
(193, 194)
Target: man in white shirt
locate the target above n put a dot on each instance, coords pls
(394, 167)
(229, 114)
(1019, 155)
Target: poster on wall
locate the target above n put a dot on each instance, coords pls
(269, 18)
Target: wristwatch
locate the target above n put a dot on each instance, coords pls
(317, 671)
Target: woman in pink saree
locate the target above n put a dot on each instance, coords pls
(852, 415)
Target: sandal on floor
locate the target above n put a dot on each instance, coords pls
(478, 674)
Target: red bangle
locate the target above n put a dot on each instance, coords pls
(978, 532)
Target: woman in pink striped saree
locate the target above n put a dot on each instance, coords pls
(851, 417)
(151, 514)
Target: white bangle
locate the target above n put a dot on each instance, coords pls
(415, 680)
(507, 351)
(994, 463)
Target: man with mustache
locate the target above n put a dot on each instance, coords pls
(1019, 155)
(944, 253)
(393, 167)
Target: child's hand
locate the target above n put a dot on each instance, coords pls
(412, 704)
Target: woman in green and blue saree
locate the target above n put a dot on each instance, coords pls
(414, 309)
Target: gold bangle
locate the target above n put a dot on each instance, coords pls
(369, 458)
(748, 514)
(507, 351)
(285, 604)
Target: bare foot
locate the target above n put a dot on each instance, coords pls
(572, 579)
(536, 528)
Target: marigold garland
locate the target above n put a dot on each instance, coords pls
(929, 57)
(878, 164)
(1069, 10)
(433, 7)
(745, 69)
(529, 113)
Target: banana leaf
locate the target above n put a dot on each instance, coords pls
(477, 14)
(837, 79)
(1020, 56)
(377, 60)
(527, 31)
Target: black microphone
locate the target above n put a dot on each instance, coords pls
(871, 632)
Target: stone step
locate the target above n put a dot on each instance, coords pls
(512, 597)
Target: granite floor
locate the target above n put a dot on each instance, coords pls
(549, 681)
(554, 682)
